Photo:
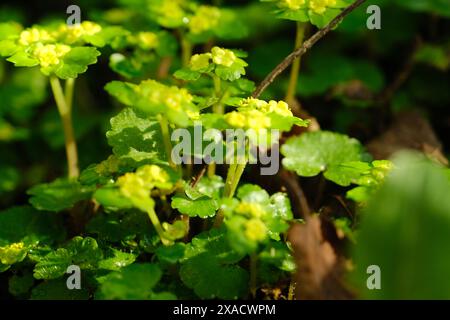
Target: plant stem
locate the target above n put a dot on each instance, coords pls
(65, 112)
(211, 170)
(237, 176)
(303, 49)
(253, 274)
(229, 180)
(68, 92)
(217, 108)
(159, 229)
(164, 124)
(186, 50)
(233, 176)
(292, 87)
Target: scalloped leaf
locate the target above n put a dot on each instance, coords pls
(315, 152)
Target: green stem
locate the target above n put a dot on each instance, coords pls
(233, 176)
(229, 180)
(211, 170)
(218, 106)
(65, 112)
(164, 124)
(159, 229)
(292, 87)
(68, 91)
(236, 178)
(186, 50)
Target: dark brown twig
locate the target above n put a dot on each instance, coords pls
(303, 49)
(196, 179)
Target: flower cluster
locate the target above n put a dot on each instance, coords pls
(259, 114)
(137, 185)
(50, 54)
(33, 35)
(224, 63)
(255, 217)
(318, 12)
(58, 49)
(204, 19)
(316, 6)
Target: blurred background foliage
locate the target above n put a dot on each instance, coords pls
(355, 81)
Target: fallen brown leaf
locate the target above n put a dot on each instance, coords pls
(319, 271)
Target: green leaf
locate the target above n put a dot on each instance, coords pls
(83, 252)
(120, 226)
(9, 30)
(8, 48)
(57, 290)
(76, 62)
(404, 231)
(209, 279)
(347, 173)
(187, 74)
(233, 72)
(112, 198)
(275, 261)
(122, 91)
(134, 282)
(315, 152)
(136, 138)
(21, 223)
(208, 268)
(22, 59)
(116, 260)
(58, 195)
(53, 265)
(171, 254)
(201, 207)
(207, 186)
(435, 56)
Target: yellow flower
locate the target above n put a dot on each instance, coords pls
(33, 35)
(253, 209)
(50, 54)
(255, 230)
(293, 4)
(193, 115)
(223, 57)
(10, 253)
(253, 103)
(200, 61)
(205, 18)
(90, 28)
(257, 120)
(236, 119)
(133, 186)
(152, 173)
(148, 40)
(74, 32)
(319, 6)
(280, 107)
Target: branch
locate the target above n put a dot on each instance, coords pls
(303, 49)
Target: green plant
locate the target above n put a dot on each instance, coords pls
(141, 225)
